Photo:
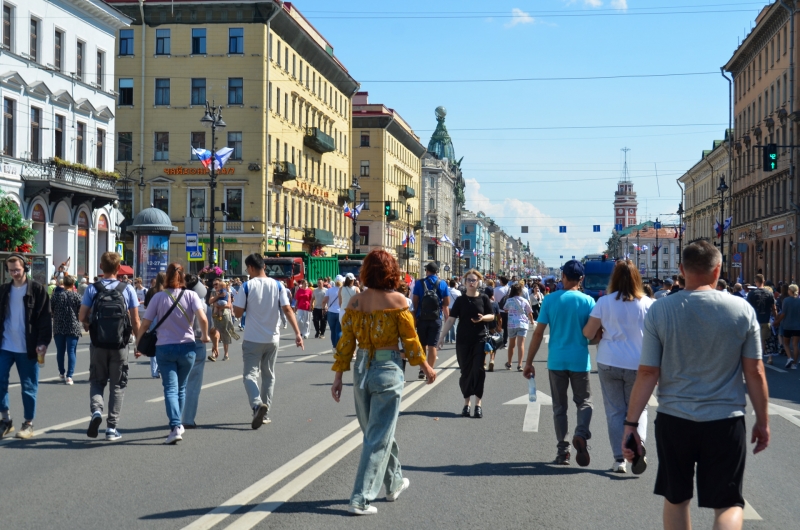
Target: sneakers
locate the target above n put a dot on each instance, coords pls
(322, 335)
(316, 335)
(620, 466)
(368, 510)
(794, 366)
(421, 375)
(403, 487)
(508, 366)
(174, 436)
(259, 413)
(579, 443)
(639, 463)
(769, 359)
(94, 424)
(788, 363)
(112, 435)
(267, 420)
(562, 459)
(6, 427)
(69, 381)
(61, 377)
(25, 432)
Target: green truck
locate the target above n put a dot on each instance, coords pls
(291, 267)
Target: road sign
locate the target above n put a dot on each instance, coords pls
(656, 225)
(618, 228)
(121, 249)
(197, 255)
(191, 242)
(737, 258)
(736, 265)
(596, 228)
(225, 265)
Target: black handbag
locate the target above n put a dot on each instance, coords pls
(147, 342)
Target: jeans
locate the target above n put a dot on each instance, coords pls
(259, 357)
(304, 321)
(335, 327)
(28, 371)
(176, 361)
(68, 344)
(194, 383)
(105, 364)
(377, 391)
(617, 384)
(451, 335)
(560, 380)
(319, 322)
(244, 317)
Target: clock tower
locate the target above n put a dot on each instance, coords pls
(625, 204)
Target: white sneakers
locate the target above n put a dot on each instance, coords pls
(390, 497)
(403, 487)
(619, 467)
(369, 510)
(174, 435)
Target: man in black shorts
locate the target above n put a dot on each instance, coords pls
(427, 315)
(696, 345)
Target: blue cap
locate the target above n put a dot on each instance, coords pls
(573, 270)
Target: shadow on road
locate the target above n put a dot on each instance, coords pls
(431, 414)
(514, 469)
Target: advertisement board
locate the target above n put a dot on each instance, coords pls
(156, 256)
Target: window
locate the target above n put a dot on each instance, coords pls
(234, 259)
(431, 252)
(197, 203)
(365, 200)
(269, 47)
(59, 136)
(198, 41)
(8, 127)
(162, 42)
(198, 142)
(100, 149)
(236, 40)
(101, 59)
(233, 203)
(36, 133)
(80, 143)
(125, 146)
(286, 59)
(198, 91)
(363, 235)
(34, 42)
(126, 91)
(279, 53)
(235, 142)
(79, 60)
(666, 264)
(365, 168)
(364, 138)
(58, 49)
(467, 244)
(162, 146)
(278, 101)
(655, 263)
(235, 91)
(8, 24)
(126, 42)
(665, 250)
(162, 91)
(161, 199)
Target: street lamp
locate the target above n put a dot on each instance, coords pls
(680, 231)
(213, 119)
(355, 187)
(408, 236)
(722, 189)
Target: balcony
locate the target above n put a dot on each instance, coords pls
(401, 252)
(407, 192)
(393, 215)
(283, 172)
(319, 141)
(417, 226)
(317, 236)
(62, 179)
(233, 226)
(347, 195)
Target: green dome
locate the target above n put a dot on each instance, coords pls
(440, 145)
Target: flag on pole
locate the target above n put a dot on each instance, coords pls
(676, 233)
(411, 238)
(446, 239)
(717, 228)
(347, 211)
(435, 240)
(357, 210)
(643, 247)
(404, 242)
(220, 158)
(727, 225)
(474, 251)
(656, 249)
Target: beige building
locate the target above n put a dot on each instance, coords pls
(286, 101)
(764, 225)
(386, 159)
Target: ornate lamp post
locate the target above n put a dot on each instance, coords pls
(355, 187)
(408, 235)
(213, 119)
(722, 189)
(680, 231)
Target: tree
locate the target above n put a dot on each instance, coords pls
(16, 234)
(612, 246)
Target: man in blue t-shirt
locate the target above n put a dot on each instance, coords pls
(429, 329)
(566, 312)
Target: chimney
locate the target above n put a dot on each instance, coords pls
(361, 98)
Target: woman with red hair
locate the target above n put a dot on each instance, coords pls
(375, 320)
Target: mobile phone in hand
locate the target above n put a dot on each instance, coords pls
(630, 443)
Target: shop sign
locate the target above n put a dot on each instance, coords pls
(102, 223)
(83, 220)
(181, 170)
(38, 213)
(314, 190)
(777, 228)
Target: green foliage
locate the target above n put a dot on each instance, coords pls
(16, 234)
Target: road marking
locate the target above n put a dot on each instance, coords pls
(652, 401)
(533, 409)
(209, 385)
(749, 513)
(781, 370)
(79, 350)
(785, 413)
(307, 357)
(547, 339)
(263, 509)
(50, 429)
(49, 379)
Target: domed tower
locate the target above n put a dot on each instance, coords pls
(440, 145)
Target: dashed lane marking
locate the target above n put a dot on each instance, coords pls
(39, 432)
(749, 513)
(652, 401)
(781, 370)
(50, 379)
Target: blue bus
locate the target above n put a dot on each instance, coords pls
(597, 274)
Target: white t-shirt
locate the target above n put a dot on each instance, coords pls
(500, 292)
(263, 309)
(623, 325)
(14, 334)
(333, 299)
(454, 293)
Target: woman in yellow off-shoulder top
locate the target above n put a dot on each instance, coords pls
(374, 321)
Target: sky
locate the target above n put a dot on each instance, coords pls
(541, 148)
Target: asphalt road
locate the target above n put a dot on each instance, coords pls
(298, 471)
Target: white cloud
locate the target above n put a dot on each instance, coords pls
(518, 16)
(594, 3)
(620, 4)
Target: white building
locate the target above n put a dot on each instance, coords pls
(56, 92)
(662, 264)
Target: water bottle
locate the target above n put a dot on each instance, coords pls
(532, 389)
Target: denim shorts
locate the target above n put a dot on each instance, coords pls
(517, 332)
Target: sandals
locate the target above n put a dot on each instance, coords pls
(213, 356)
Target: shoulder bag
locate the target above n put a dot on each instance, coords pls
(147, 344)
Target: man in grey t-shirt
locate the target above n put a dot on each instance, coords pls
(696, 345)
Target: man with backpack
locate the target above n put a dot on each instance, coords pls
(764, 304)
(431, 301)
(109, 312)
(501, 295)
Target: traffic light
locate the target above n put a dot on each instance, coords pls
(770, 157)
(387, 207)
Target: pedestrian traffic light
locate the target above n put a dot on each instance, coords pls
(770, 157)
(387, 207)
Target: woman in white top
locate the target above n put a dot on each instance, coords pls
(347, 292)
(621, 315)
(331, 304)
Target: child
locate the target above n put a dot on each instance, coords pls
(222, 301)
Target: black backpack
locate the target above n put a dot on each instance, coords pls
(430, 304)
(502, 303)
(110, 326)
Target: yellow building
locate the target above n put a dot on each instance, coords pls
(386, 158)
(286, 103)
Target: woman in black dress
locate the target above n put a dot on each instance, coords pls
(473, 311)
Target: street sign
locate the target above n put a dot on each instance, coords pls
(225, 265)
(596, 228)
(618, 227)
(197, 255)
(562, 229)
(121, 249)
(191, 242)
(736, 265)
(656, 225)
(737, 258)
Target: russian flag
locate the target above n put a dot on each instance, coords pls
(219, 158)
(347, 211)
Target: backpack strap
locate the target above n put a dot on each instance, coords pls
(179, 306)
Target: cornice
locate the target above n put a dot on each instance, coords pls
(758, 38)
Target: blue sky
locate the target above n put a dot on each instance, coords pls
(520, 168)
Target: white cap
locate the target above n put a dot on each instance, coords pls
(339, 278)
(350, 276)
(83, 280)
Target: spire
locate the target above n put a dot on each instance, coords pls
(440, 145)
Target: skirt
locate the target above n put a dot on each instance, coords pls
(470, 361)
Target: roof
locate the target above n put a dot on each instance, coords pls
(152, 220)
(646, 231)
(441, 146)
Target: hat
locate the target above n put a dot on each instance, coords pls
(339, 278)
(432, 267)
(350, 276)
(669, 281)
(489, 291)
(83, 280)
(573, 270)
